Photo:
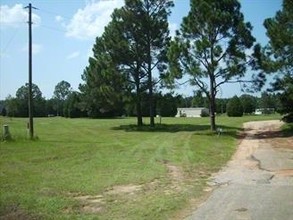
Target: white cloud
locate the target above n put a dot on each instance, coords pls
(73, 55)
(173, 27)
(16, 15)
(59, 18)
(36, 48)
(90, 21)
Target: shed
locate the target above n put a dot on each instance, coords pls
(192, 112)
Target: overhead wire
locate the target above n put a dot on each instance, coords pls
(52, 28)
(3, 50)
(55, 14)
(4, 46)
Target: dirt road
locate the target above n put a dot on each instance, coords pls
(257, 184)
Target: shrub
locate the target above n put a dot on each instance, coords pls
(288, 118)
(234, 107)
(205, 113)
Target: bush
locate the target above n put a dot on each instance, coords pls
(234, 107)
(205, 113)
(288, 118)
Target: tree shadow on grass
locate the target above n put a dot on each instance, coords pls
(173, 128)
(162, 128)
(273, 134)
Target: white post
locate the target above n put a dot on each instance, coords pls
(6, 133)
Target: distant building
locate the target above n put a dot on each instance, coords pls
(192, 112)
(261, 111)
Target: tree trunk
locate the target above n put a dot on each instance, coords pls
(138, 107)
(212, 114)
(212, 105)
(150, 85)
(139, 115)
(151, 100)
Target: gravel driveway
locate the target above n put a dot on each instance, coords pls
(257, 183)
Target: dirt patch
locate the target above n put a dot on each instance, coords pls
(175, 173)
(91, 199)
(91, 208)
(124, 189)
(96, 203)
(262, 126)
(176, 176)
(253, 132)
(286, 172)
(286, 143)
(89, 203)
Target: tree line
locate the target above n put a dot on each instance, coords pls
(135, 57)
(68, 103)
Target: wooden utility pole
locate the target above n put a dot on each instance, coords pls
(30, 96)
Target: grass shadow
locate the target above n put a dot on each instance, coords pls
(285, 132)
(274, 134)
(173, 128)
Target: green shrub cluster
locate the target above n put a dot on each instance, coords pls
(234, 107)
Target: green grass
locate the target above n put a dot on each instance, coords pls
(40, 179)
(287, 129)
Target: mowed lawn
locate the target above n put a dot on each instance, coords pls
(108, 169)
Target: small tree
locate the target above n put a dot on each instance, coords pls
(166, 105)
(39, 102)
(11, 105)
(72, 106)
(249, 103)
(61, 92)
(3, 112)
(234, 107)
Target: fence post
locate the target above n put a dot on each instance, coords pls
(6, 133)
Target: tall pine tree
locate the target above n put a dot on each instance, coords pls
(140, 45)
(103, 90)
(277, 57)
(211, 47)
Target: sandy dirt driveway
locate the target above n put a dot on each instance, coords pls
(257, 184)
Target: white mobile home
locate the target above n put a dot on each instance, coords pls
(192, 112)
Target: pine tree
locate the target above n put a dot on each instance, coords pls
(234, 107)
(140, 45)
(211, 47)
(277, 56)
(103, 90)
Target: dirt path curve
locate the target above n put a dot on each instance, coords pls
(257, 184)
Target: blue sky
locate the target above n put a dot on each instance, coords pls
(64, 33)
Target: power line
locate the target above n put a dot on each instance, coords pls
(52, 28)
(10, 40)
(56, 14)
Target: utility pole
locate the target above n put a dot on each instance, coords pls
(30, 96)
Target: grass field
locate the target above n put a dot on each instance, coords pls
(108, 169)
